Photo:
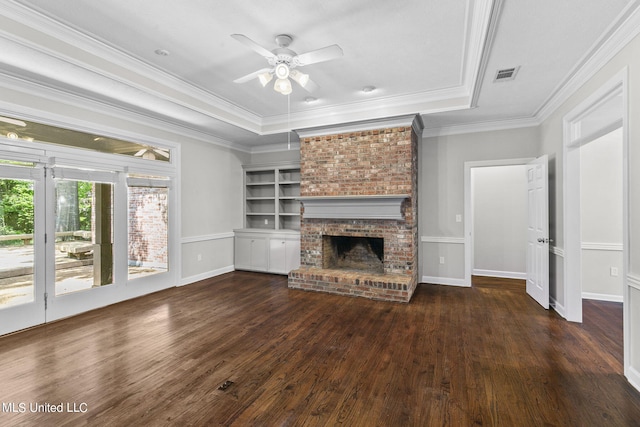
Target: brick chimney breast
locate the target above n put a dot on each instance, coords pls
(361, 165)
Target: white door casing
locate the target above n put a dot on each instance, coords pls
(538, 231)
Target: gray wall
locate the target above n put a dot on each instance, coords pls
(601, 216)
(441, 198)
(211, 208)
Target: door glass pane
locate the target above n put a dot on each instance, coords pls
(16, 242)
(148, 231)
(84, 235)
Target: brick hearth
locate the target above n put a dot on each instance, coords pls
(373, 162)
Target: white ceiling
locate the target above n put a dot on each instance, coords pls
(429, 57)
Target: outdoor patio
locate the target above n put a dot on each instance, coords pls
(72, 274)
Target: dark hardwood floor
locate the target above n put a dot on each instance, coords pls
(487, 355)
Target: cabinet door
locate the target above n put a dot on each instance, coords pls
(284, 255)
(250, 253)
(292, 255)
(277, 255)
(259, 254)
(242, 255)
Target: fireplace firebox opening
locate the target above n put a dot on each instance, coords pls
(353, 253)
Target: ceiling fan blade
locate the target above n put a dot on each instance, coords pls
(252, 75)
(141, 152)
(253, 45)
(161, 152)
(309, 86)
(320, 55)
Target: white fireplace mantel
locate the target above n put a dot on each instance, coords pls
(354, 207)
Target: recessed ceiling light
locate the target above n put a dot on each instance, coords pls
(368, 89)
(310, 99)
(162, 52)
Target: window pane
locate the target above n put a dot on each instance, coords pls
(84, 235)
(31, 131)
(148, 231)
(16, 242)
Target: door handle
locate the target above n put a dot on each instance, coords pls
(544, 240)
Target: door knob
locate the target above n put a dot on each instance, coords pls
(544, 240)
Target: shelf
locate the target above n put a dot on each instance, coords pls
(260, 183)
(260, 177)
(271, 196)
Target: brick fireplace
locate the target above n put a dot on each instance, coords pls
(359, 230)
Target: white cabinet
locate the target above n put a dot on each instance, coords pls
(268, 251)
(270, 241)
(284, 255)
(250, 252)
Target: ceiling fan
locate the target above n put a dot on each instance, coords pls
(149, 153)
(283, 63)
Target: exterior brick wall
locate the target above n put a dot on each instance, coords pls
(367, 163)
(148, 224)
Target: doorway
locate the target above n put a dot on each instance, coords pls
(78, 235)
(485, 180)
(604, 112)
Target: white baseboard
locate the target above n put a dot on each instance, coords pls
(206, 275)
(502, 274)
(633, 376)
(559, 308)
(450, 281)
(602, 297)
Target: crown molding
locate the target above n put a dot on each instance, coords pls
(482, 19)
(413, 120)
(522, 122)
(55, 118)
(93, 68)
(276, 148)
(619, 34)
(492, 11)
(624, 29)
(379, 108)
(104, 68)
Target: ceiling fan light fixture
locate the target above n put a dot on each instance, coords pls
(282, 70)
(265, 78)
(283, 86)
(301, 78)
(148, 155)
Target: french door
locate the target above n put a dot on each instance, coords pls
(22, 246)
(81, 217)
(56, 243)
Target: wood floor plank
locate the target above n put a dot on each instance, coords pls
(486, 355)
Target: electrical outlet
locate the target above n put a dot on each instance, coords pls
(199, 257)
(458, 218)
(266, 221)
(614, 271)
(441, 260)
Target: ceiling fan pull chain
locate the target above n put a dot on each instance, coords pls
(288, 121)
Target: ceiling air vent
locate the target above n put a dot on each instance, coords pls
(506, 74)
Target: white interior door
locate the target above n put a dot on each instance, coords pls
(538, 231)
(22, 240)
